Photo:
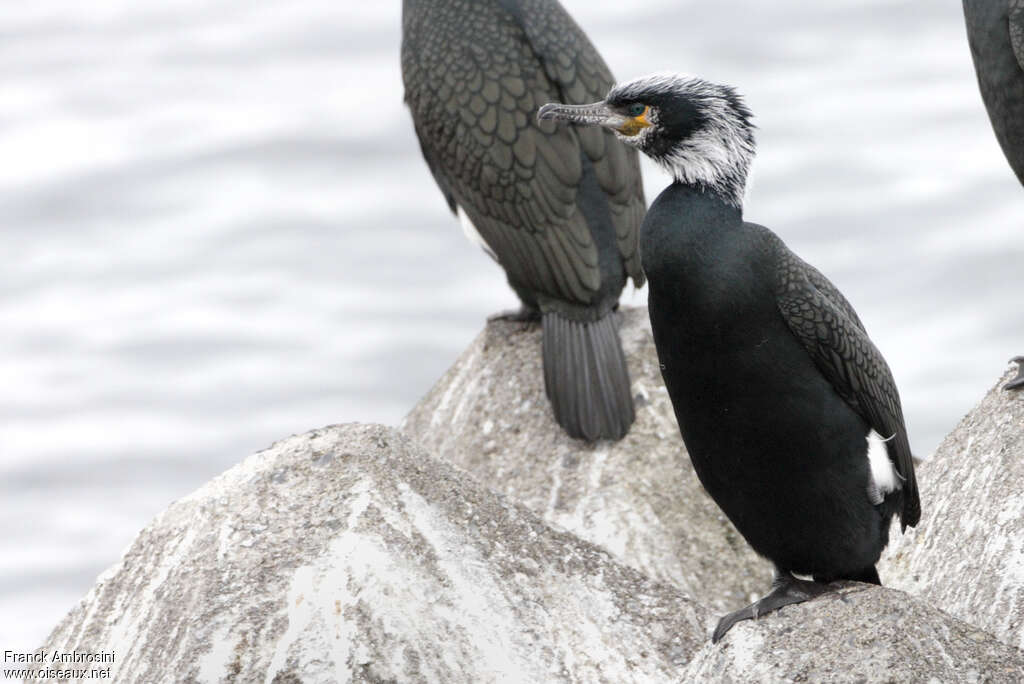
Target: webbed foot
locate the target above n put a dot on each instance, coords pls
(786, 590)
(523, 314)
(1018, 381)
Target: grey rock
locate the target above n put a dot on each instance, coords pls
(861, 633)
(639, 497)
(967, 554)
(350, 554)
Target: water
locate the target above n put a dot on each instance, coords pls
(218, 231)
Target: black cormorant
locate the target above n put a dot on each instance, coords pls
(780, 395)
(558, 209)
(995, 32)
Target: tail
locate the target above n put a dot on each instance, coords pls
(899, 452)
(586, 378)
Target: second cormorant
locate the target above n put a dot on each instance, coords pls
(995, 32)
(559, 209)
(788, 411)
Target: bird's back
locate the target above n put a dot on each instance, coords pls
(559, 208)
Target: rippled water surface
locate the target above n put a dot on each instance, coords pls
(218, 231)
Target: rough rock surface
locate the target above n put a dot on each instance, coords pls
(639, 497)
(967, 554)
(860, 634)
(350, 554)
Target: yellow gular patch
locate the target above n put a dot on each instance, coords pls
(636, 124)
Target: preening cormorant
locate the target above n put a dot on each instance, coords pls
(995, 32)
(779, 393)
(558, 209)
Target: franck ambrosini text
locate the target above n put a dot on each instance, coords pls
(58, 664)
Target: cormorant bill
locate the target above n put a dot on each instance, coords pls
(995, 33)
(780, 395)
(558, 209)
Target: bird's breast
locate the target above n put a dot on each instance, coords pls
(745, 392)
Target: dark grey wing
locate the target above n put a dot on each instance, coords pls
(830, 292)
(849, 360)
(1017, 30)
(575, 68)
(474, 108)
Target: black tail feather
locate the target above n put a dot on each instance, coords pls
(586, 378)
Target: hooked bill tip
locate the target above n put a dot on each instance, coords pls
(594, 114)
(547, 111)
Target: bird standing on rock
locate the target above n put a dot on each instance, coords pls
(995, 32)
(558, 209)
(779, 393)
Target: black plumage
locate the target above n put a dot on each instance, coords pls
(775, 383)
(559, 209)
(995, 33)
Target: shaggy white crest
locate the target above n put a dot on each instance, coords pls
(718, 154)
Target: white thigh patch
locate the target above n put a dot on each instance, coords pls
(883, 475)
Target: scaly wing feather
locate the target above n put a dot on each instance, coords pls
(824, 322)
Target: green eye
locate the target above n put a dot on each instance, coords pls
(636, 109)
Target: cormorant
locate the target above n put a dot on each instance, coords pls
(779, 393)
(558, 209)
(995, 33)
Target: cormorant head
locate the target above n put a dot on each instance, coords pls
(700, 132)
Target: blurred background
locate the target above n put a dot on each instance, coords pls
(217, 231)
